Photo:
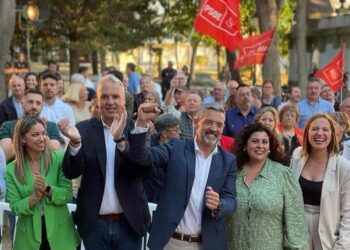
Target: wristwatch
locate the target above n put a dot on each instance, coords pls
(121, 139)
(48, 190)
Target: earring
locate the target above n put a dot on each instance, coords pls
(244, 149)
(269, 152)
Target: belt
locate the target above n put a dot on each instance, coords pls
(188, 238)
(111, 216)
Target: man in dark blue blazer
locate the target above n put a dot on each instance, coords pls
(11, 108)
(112, 210)
(199, 185)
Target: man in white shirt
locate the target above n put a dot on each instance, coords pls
(294, 96)
(199, 184)
(112, 210)
(54, 109)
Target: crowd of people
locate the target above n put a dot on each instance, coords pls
(238, 169)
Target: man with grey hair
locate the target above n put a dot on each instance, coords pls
(199, 184)
(313, 104)
(218, 96)
(167, 127)
(112, 210)
(11, 108)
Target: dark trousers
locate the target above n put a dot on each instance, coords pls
(108, 235)
(44, 242)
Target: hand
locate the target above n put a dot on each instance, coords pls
(146, 113)
(118, 124)
(44, 119)
(69, 130)
(151, 128)
(39, 183)
(212, 199)
(174, 83)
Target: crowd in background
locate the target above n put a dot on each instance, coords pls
(288, 185)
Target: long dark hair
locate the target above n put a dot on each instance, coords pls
(276, 147)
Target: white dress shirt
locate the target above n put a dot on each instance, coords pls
(191, 222)
(18, 107)
(110, 203)
(57, 111)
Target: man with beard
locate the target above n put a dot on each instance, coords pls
(242, 114)
(32, 103)
(313, 104)
(294, 96)
(54, 109)
(199, 184)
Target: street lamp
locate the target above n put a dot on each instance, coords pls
(30, 12)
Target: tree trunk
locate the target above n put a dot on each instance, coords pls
(160, 54)
(102, 59)
(94, 62)
(7, 26)
(301, 44)
(193, 58)
(230, 59)
(218, 66)
(73, 61)
(267, 11)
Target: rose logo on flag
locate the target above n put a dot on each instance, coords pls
(229, 23)
(332, 73)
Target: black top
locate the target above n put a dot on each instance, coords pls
(311, 191)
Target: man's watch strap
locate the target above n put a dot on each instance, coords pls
(121, 139)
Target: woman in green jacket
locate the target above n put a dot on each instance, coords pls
(38, 192)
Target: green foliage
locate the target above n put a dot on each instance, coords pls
(86, 25)
(286, 18)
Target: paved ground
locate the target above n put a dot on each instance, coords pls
(6, 239)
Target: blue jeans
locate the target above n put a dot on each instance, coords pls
(108, 235)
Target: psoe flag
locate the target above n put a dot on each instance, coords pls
(253, 50)
(333, 72)
(220, 20)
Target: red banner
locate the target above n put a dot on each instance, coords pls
(254, 49)
(333, 72)
(220, 20)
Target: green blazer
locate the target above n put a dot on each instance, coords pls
(61, 232)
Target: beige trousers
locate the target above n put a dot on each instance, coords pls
(174, 244)
(312, 214)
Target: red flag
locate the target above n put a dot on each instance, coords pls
(220, 20)
(254, 49)
(333, 72)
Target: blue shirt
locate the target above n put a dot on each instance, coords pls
(235, 121)
(307, 110)
(134, 83)
(211, 100)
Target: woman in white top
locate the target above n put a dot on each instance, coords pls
(324, 177)
(76, 98)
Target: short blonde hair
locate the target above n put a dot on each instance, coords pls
(340, 118)
(273, 112)
(289, 108)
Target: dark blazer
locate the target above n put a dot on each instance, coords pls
(7, 111)
(177, 158)
(90, 162)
